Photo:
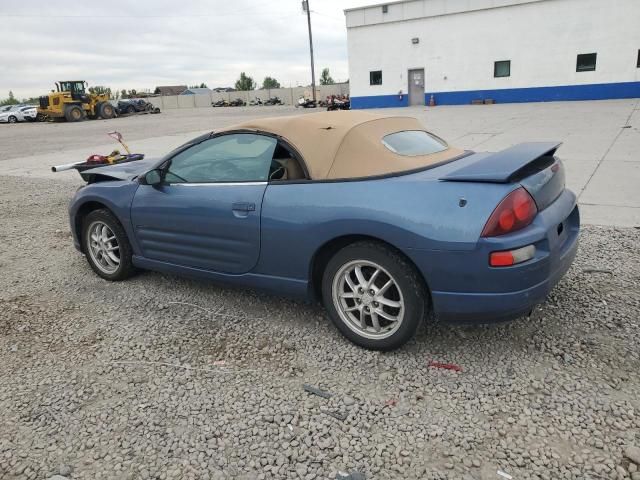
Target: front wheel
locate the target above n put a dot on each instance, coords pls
(73, 113)
(106, 246)
(373, 295)
(13, 119)
(106, 111)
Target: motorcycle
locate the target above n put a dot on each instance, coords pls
(306, 103)
(274, 101)
(342, 102)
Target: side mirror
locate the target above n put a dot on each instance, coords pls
(152, 177)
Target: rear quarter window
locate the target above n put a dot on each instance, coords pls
(412, 143)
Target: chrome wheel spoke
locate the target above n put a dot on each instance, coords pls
(350, 283)
(372, 278)
(385, 287)
(360, 276)
(375, 321)
(386, 315)
(388, 303)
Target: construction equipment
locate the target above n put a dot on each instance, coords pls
(71, 102)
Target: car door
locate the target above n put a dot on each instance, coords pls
(206, 212)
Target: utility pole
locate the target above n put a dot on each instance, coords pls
(305, 6)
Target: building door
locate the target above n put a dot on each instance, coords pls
(416, 87)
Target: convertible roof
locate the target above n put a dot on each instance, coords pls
(347, 144)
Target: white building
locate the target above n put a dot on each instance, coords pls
(404, 52)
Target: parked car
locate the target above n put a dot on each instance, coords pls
(29, 113)
(134, 105)
(377, 217)
(18, 113)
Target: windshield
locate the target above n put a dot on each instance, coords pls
(77, 87)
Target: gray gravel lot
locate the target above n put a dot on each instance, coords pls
(162, 377)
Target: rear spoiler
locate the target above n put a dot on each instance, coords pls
(507, 165)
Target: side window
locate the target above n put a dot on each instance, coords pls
(285, 166)
(237, 157)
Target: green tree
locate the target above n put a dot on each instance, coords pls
(9, 101)
(123, 93)
(100, 90)
(245, 82)
(31, 100)
(269, 83)
(202, 85)
(325, 77)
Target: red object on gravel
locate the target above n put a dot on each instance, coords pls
(445, 366)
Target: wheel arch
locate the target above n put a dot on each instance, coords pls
(81, 213)
(328, 249)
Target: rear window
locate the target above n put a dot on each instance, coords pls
(412, 143)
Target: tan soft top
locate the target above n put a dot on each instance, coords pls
(347, 144)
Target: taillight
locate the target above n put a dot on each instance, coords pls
(506, 258)
(515, 212)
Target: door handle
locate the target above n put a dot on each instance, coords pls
(243, 207)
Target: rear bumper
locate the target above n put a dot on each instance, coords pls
(465, 289)
(465, 308)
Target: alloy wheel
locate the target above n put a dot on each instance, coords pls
(103, 247)
(368, 299)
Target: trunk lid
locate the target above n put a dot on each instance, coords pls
(532, 165)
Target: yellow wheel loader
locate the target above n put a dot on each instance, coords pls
(71, 102)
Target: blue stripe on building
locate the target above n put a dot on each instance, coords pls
(379, 101)
(599, 91)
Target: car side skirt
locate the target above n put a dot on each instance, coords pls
(290, 287)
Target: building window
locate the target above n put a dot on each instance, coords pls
(385, 8)
(502, 68)
(638, 64)
(586, 62)
(375, 78)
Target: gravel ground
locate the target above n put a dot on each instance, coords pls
(162, 377)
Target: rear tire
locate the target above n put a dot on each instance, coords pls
(106, 111)
(73, 113)
(106, 246)
(377, 311)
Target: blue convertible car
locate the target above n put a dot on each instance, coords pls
(380, 219)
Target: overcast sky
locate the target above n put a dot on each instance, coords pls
(144, 43)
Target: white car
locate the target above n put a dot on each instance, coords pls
(29, 112)
(18, 113)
